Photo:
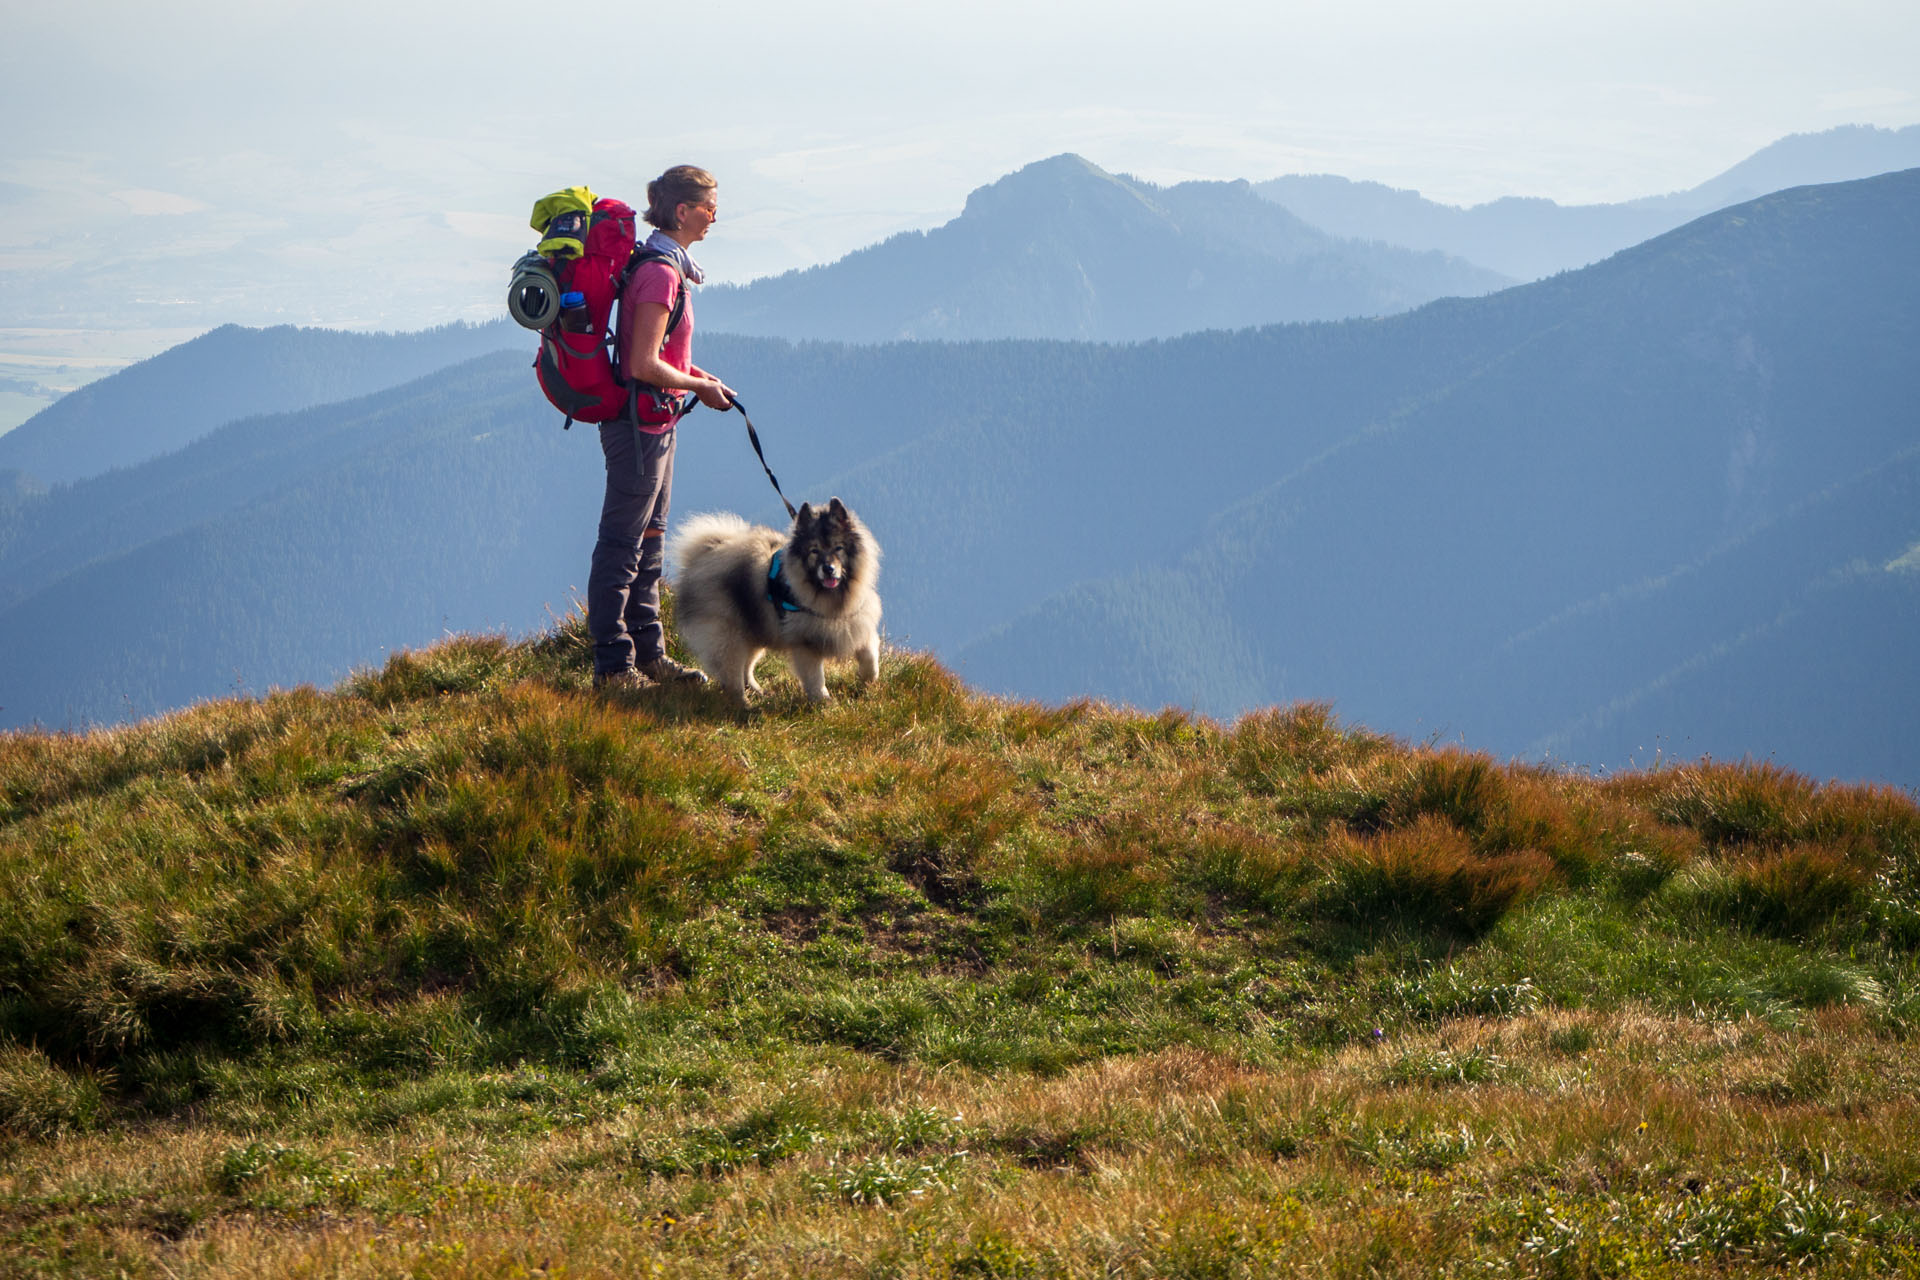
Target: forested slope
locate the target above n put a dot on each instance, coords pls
(176, 397)
(1728, 410)
(1582, 517)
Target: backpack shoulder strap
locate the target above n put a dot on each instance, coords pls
(642, 256)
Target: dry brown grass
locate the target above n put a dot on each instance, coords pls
(466, 971)
(1176, 1163)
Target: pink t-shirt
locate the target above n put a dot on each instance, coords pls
(657, 282)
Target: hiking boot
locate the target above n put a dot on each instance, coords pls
(625, 680)
(665, 670)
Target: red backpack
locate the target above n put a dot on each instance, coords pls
(569, 290)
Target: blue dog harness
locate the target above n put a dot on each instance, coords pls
(779, 592)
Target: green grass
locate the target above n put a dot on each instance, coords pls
(463, 969)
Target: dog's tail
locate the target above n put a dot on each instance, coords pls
(707, 532)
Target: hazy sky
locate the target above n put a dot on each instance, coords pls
(263, 156)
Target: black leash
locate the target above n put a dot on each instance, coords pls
(754, 436)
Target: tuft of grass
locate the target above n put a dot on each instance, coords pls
(40, 1099)
(1464, 788)
(1275, 749)
(1445, 1066)
(464, 664)
(1735, 806)
(1760, 806)
(1427, 876)
(763, 1139)
(1775, 1222)
(1209, 1242)
(887, 1182)
(937, 825)
(1792, 892)
(1112, 874)
(1244, 868)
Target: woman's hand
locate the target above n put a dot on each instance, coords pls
(715, 394)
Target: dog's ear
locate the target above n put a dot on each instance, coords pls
(805, 517)
(835, 509)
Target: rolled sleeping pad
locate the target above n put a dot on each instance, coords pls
(533, 296)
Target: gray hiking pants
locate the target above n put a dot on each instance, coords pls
(623, 587)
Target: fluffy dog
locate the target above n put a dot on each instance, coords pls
(741, 589)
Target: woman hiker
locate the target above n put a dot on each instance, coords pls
(623, 587)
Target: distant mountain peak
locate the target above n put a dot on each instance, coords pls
(1061, 248)
(1064, 163)
(1049, 180)
(1530, 237)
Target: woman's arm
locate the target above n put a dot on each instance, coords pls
(645, 365)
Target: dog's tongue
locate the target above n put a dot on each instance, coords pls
(830, 582)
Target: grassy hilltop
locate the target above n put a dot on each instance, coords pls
(462, 970)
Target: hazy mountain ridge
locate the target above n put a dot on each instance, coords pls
(1530, 237)
(141, 421)
(1703, 398)
(1840, 154)
(293, 547)
(235, 467)
(1409, 515)
(1063, 249)
(161, 404)
(314, 554)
